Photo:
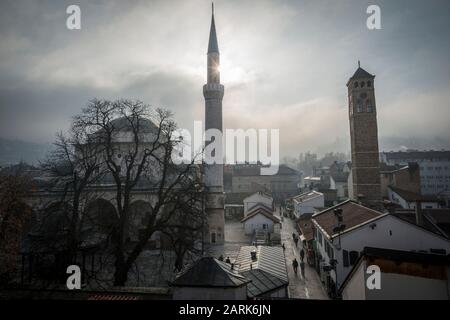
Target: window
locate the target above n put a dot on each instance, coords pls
(359, 106)
(369, 83)
(362, 84)
(353, 257)
(355, 84)
(369, 105)
(345, 258)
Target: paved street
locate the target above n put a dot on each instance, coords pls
(309, 287)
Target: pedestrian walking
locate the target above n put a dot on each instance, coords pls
(228, 260)
(302, 269)
(293, 235)
(302, 254)
(295, 265)
(221, 258)
(284, 248)
(296, 242)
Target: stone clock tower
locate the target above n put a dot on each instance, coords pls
(213, 92)
(364, 138)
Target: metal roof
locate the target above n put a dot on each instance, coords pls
(268, 259)
(262, 282)
(209, 272)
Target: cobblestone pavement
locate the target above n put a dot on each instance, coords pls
(309, 287)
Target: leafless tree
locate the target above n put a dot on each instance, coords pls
(73, 168)
(14, 217)
(137, 144)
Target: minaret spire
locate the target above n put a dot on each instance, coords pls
(213, 46)
(213, 92)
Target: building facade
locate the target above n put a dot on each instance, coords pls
(434, 168)
(364, 138)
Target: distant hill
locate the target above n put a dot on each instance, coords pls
(15, 151)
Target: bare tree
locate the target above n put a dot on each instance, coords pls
(74, 165)
(14, 217)
(137, 144)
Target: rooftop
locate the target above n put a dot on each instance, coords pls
(307, 196)
(262, 282)
(268, 259)
(262, 211)
(209, 272)
(353, 214)
(412, 196)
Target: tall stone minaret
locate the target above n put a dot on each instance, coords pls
(213, 92)
(364, 138)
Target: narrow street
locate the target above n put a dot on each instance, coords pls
(309, 287)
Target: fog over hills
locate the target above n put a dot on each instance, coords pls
(15, 151)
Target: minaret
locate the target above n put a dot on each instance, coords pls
(364, 138)
(213, 92)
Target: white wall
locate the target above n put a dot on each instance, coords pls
(395, 197)
(356, 286)
(395, 286)
(300, 208)
(257, 222)
(389, 233)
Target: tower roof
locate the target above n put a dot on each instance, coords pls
(213, 46)
(360, 73)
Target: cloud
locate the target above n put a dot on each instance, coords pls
(284, 65)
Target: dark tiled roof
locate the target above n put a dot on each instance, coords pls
(260, 205)
(407, 256)
(209, 272)
(262, 282)
(262, 211)
(412, 196)
(353, 215)
(360, 73)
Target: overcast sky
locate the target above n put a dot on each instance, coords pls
(284, 65)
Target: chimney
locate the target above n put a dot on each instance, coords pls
(419, 216)
(253, 255)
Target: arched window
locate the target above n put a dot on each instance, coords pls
(362, 84)
(369, 105)
(355, 84)
(359, 106)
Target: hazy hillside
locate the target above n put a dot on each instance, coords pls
(15, 151)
